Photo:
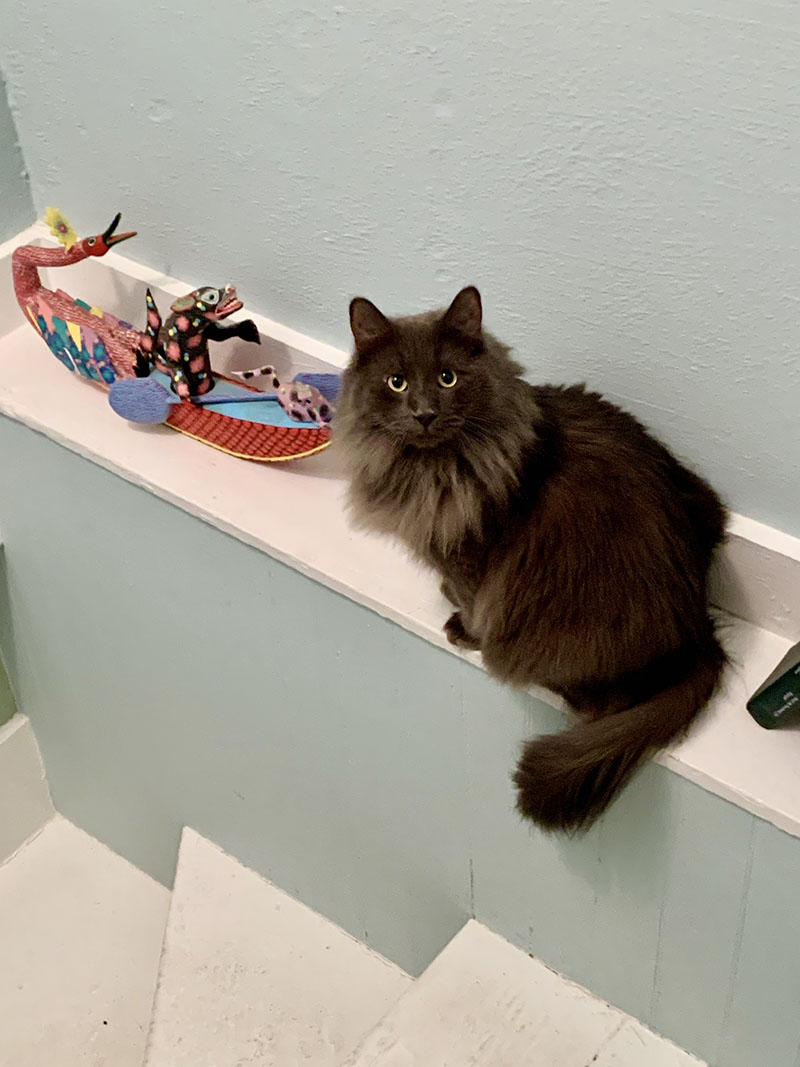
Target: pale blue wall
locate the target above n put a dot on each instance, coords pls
(16, 206)
(619, 178)
(363, 769)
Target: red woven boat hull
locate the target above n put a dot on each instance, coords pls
(247, 440)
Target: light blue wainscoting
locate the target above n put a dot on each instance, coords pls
(174, 675)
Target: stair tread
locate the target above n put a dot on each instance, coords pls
(80, 937)
(484, 1002)
(634, 1046)
(251, 976)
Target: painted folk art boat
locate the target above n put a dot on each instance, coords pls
(105, 350)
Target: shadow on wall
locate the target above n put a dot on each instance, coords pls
(16, 204)
(7, 703)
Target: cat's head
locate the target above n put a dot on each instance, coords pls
(425, 380)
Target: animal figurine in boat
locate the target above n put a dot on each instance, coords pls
(180, 345)
(104, 350)
(302, 400)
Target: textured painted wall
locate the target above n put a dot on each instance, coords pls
(16, 205)
(376, 788)
(621, 179)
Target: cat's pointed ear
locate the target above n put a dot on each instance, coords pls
(369, 325)
(465, 314)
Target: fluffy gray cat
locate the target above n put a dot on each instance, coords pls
(573, 546)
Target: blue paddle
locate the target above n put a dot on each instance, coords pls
(147, 401)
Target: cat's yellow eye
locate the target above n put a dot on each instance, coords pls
(448, 379)
(397, 383)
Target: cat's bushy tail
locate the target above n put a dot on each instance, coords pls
(566, 780)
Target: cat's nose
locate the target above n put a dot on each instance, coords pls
(425, 418)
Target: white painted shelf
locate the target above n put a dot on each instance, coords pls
(251, 976)
(728, 753)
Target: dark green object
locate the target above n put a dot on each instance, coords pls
(777, 702)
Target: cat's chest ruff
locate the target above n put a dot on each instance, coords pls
(434, 510)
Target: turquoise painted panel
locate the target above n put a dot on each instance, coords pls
(622, 184)
(701, 917)
(359, 767)
(16, 205)
(175, 676)
(763, 1025)
(537, 891)
(588, 906)
(630, 887)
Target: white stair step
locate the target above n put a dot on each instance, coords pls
(483, 1002)
(636, 1046)
(251, 976)
(80, 937)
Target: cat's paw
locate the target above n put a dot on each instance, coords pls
(457, 634)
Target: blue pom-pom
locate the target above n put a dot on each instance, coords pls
(330, 385)
(141, 400)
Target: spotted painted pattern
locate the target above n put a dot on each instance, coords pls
(180, 345)
(300, 400)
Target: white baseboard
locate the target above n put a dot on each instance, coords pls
(25, 804)
(758, 576)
